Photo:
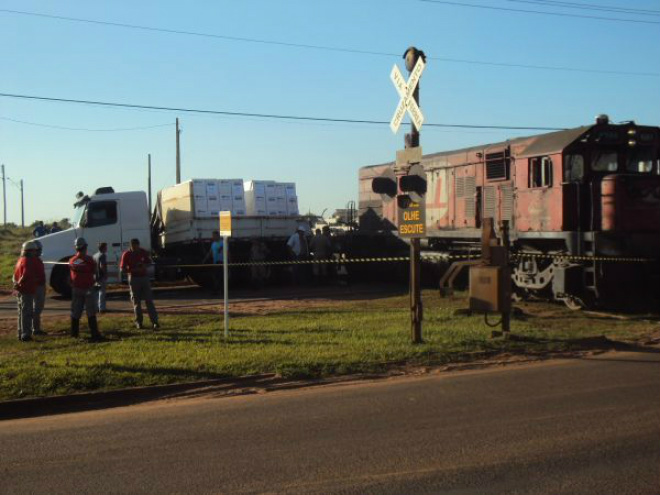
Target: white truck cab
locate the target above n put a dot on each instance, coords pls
(105, 216)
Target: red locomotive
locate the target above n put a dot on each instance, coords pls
(592, 192)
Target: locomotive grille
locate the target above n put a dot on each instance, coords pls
(507, 202)
(469, 193)
(497, 166)
(460, 187)
(490, 201)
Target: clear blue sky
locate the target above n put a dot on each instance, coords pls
(64, 59)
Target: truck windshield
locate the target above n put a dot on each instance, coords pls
(78, 214)
(641, 160)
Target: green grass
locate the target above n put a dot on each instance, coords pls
(351, 337)
(11, 239)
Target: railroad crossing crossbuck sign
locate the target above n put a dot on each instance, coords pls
(406, 91)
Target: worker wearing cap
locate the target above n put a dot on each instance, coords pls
(39, 293)
(135, 262)
(83, 270)
(27, 274)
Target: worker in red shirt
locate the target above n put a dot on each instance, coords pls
(135, 262)
(27, 274)
(83, 271)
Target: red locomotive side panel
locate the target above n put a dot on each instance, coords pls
(539, 194)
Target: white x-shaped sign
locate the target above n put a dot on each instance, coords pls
(406, 91)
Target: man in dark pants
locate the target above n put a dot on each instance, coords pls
(27, 274)
(135, 262)
(298, 251)
(215, 255)
(83, 270)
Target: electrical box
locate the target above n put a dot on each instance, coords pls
(490, 289)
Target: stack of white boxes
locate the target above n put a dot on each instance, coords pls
(259, 198)
(212, 196)
(270, 198)
(291, 199)
(255, 197)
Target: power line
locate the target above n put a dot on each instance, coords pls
(263, 115)
(318, 47)
(539, 12)
(590, 6)
(83, 128)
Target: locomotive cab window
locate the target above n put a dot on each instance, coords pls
(641, 161)
(540, 172)
(573, 168)
(606, 161)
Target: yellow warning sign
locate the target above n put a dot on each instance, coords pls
(412, 220)
(225, 224)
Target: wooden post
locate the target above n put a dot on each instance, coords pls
(149, 180)
(178, 153)
(4, 195)
(22, 207)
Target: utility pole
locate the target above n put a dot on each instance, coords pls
(149, 180)
(4, 194)
(22, 207)
(178, 153)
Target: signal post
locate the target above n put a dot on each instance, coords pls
(407, 182)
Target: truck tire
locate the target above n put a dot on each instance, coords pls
(60, 281)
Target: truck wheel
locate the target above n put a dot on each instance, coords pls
(60, 280)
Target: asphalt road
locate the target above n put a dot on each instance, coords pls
(586, 426)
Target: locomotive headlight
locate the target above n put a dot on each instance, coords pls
(632, 142)
(632, 132)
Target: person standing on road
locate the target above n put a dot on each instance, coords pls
(321, 248)
(55, 228)
(259, 254)
(101, 260)
(298, 251)
(83, 269)
(39, 293)
(26, 278)
(134, 262)
(215, 255)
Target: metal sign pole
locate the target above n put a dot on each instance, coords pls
(411, 217)
(225, 276)
(412, 141)
(225, 233)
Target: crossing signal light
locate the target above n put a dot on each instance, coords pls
(385, 185)
(414, 183)
(403, 201)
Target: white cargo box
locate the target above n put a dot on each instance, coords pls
(190, 213)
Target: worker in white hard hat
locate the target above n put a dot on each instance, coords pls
(83, 271)
(39, 294)
(27, 274)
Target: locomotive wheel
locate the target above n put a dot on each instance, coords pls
(573, 303)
